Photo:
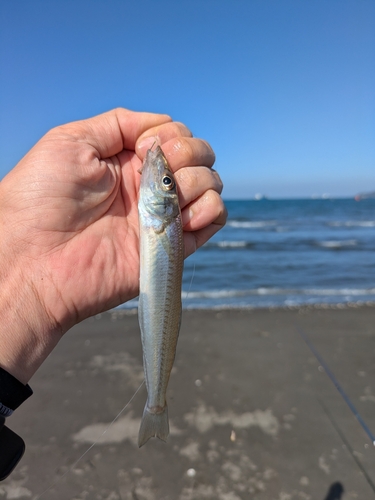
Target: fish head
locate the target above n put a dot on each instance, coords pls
(158, 190)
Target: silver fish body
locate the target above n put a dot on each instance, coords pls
(161, 266)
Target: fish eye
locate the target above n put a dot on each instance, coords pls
(168, 182)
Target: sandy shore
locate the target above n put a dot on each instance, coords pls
(253, 415)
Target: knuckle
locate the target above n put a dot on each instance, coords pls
(218, 181)
(209, 154)
(183, 129)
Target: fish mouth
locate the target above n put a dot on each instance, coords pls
(158, 154)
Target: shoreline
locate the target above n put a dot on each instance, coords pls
(123, 311)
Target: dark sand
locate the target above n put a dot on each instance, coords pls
(248, 406)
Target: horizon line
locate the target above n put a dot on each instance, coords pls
(291, 197)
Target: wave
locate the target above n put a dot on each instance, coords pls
(251, 224)
(261, 291)
(213, 294)
(336, 244)
(352, 223)
(264, 291)
(232, 244)
(268, 297)
(284, 245)
(261, 224)
(229, 244)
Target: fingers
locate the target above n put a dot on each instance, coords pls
(161, 134)
(199, 186)
(184, 151)
(119, 129)
(133, 124)
(194, 181)
(111, 132)
(178, 145)
(206, 209)
(202, 219)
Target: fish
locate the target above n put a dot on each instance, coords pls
(161, 268)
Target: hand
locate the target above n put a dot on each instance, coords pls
(69, 224)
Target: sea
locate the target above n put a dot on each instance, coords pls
(285, 253)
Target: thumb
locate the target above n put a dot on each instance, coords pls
(115, 130)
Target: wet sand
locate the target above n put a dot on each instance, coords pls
(253, 414)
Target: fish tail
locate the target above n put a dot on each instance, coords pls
(154, 424)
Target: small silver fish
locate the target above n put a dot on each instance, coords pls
(161, 266)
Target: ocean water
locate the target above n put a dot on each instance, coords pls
(280, 253)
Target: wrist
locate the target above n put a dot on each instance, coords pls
(27, 334)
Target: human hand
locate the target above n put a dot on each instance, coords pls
(69, 224)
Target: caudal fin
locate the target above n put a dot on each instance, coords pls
(153, 424)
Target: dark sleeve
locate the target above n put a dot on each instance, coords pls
(12, 447)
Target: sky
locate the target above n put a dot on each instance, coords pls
(283, 90)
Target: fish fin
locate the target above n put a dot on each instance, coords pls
(153, 424)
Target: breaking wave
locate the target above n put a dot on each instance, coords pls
(352, 223)
(337, 244)
(216, 294)
(251, 224)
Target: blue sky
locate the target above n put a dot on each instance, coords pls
(284, 90)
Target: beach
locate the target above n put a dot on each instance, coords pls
(253, 413)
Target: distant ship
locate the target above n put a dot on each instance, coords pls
(259, 196)
(364, 196)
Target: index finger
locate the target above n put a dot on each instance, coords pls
(160, 134)
(188, 151)
(179, 146)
